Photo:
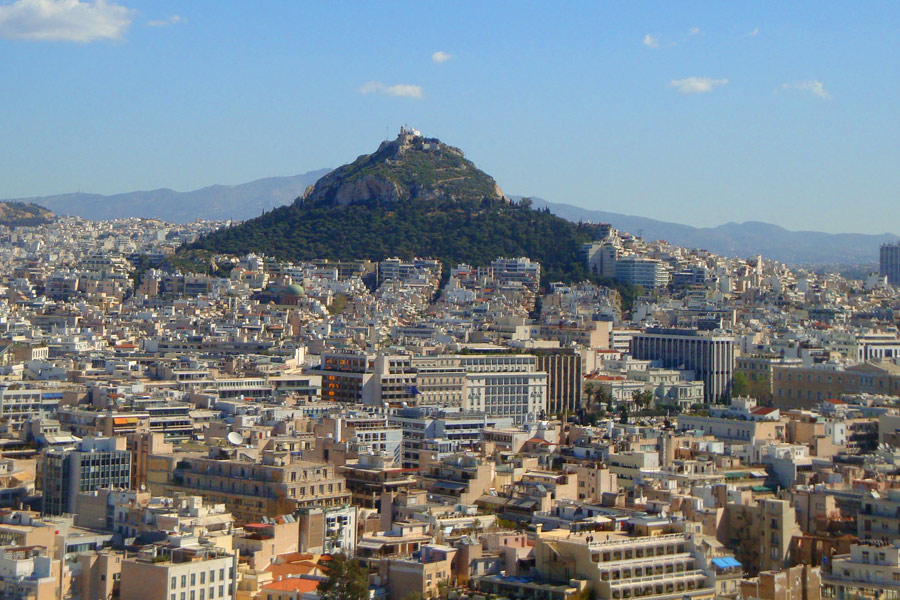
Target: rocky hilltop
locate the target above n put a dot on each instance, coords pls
(414, 196)
(411, 167)
(20, 214)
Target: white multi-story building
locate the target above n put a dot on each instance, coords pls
(871, 570)
(182, 571)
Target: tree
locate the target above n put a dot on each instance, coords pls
(642, 399)
(347, 580)
(740, 386)
(623, 414)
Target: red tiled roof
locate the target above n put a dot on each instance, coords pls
(536, 440)
(293, 584)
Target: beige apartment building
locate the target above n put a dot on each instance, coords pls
(761, 534)
(870, 570)
(879, 518)
(276, 484)
(183, 572)
(619, 567)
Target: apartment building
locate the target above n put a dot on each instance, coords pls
(277, 483)
(733, 429)
(648, 273)
(870, 570)
(761, 533)
(879, 517)
(619, 567)
(427, 425)
(181, 569)
(29, 573)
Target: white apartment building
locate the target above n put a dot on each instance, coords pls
(871, 570)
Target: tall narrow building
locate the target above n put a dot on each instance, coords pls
(889, 262)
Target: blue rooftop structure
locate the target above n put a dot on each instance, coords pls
(725, 562)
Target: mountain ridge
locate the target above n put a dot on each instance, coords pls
(216, 202)
(248, 200)
(740, 239)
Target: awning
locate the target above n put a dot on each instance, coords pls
(367, 545)
(125, 421)
(725, 562)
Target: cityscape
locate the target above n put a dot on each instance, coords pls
(394, 380)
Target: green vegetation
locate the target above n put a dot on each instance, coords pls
(408, 201)
(746, 385)
(338, 304)
(347, 580)
(20, 214)
(451, 231)
(196, 260)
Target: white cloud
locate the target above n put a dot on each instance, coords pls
(651, 41)
(173, 20)
(404, 90)
(696, 85)
(694, 31)
(812, 86)
(754, 33)
(64, 20)
(441, 57)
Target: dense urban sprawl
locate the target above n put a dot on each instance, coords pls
(728, 429)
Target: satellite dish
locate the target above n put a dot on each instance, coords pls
(234, 438)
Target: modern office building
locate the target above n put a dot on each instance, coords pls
(709, 356)
(889, 262)
(93, 464)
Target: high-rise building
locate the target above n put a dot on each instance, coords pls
(564, 378)
(95, 463)
(710, 357)
(889, 262)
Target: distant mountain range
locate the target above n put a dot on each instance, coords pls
(216, 202)
(249, 200)
(741, 239)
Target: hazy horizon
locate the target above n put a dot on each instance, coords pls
(690, 113)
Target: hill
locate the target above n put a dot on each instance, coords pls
(414, 196)
(410, 167)
(215, 202)
(21, 214)
(741, 239)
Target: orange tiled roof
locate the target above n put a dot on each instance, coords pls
(293, 584)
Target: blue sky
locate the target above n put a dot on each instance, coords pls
(699, 113)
